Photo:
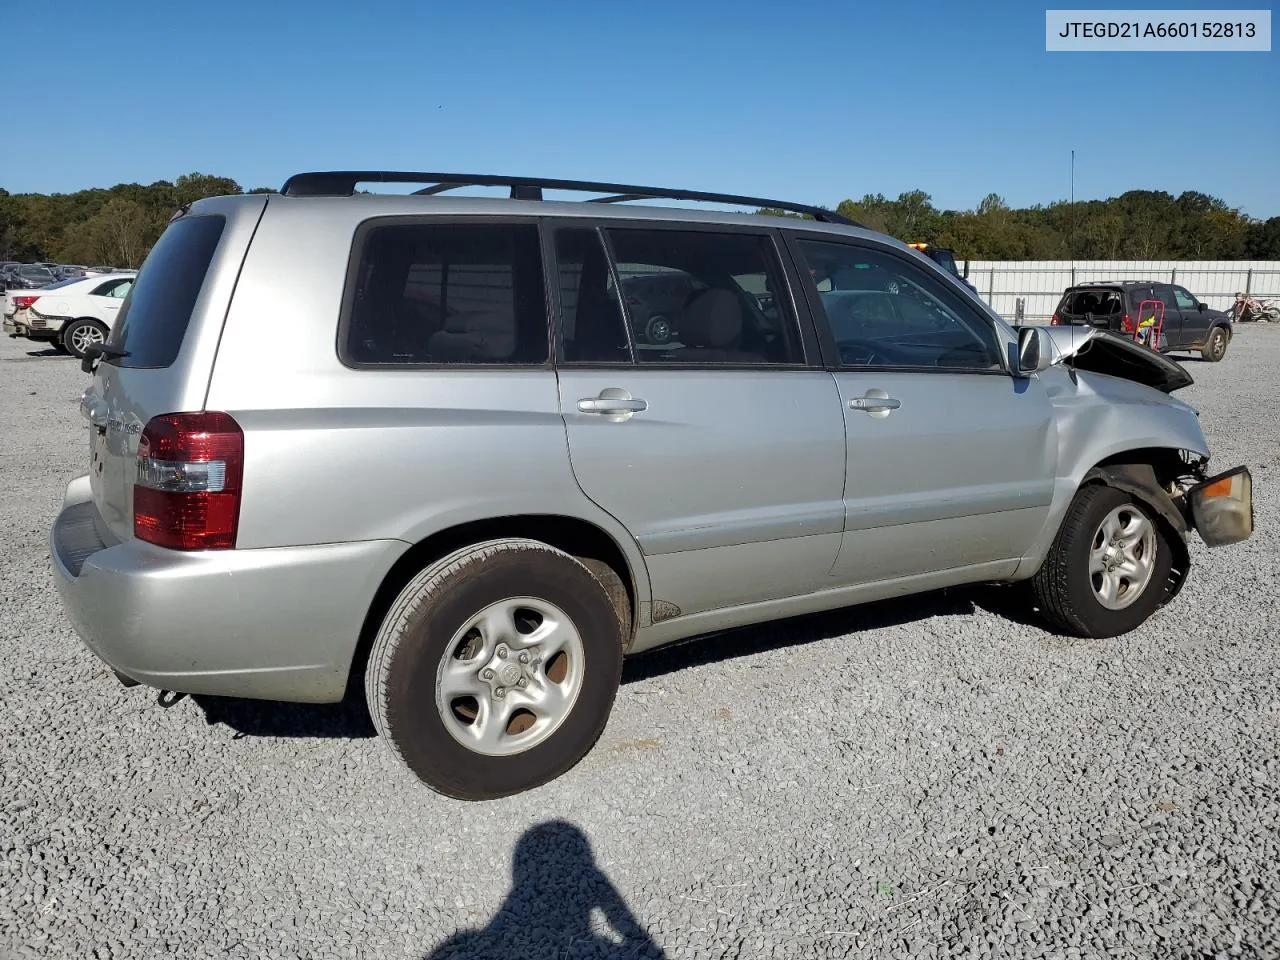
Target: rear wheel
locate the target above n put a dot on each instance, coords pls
(1215, 348)
(658, 330)
(80, 335)
(1108, 568)
(496, 668)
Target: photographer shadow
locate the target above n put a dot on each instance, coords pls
(560, 905)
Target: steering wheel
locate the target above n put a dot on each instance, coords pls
(860, 352)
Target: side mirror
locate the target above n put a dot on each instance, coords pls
(1201, 306)
(1035, 350)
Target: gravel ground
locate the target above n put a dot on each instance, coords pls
(937, 777)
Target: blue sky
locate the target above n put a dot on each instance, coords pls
(811, 101)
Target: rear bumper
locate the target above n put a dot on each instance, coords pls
(274, 624)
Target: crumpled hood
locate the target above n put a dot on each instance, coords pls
(1101, 351)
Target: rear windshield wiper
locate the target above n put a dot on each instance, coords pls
(99, 351)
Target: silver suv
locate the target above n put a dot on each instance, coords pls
(433, 447)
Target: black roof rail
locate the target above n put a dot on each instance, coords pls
(342, 183)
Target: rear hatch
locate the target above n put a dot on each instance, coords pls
(1097, 306)
(160, 354)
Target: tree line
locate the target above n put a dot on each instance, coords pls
(1137, 225)
(116, 226)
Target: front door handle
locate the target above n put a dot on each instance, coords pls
(612, 402)
(871, 404)
(611, 405)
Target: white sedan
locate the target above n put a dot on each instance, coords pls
(74, 314)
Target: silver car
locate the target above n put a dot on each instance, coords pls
(418, 444)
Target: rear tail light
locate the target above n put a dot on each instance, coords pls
(187, 492)
(1126, 323)
(24, 303)
(1054, 321)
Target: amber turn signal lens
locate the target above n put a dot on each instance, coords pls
(1219, 488)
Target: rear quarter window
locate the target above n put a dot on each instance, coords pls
(155, 315)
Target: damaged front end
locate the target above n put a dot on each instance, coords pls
(1218, 507)
(1101, 351)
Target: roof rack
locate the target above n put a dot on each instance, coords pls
(342, 183)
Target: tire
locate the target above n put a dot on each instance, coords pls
(1215, 348)
(454, 744)
(658, 330)
(1064, 586)
(80, 334)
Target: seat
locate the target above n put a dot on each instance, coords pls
(477, 336)
(711, 330)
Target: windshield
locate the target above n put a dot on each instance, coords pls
(35, 271)
(946, 261)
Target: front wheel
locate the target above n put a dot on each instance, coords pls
(496, 669)
(80, 335)
(1215, 348)
(1108, 569)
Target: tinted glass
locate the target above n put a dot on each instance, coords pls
(592, 328)
(111, 288)
(1165, 293)
(1101, 301)
(154, 317)
(449, 293)
(705, 298)
(1185, 300)
(885, 311)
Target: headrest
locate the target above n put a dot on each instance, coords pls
(713, 319)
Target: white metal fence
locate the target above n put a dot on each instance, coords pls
(1040, 283)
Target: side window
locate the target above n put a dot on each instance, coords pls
(592, 327)
(885, 311)
(704, 297)
(116, 289)
(1164, 293)
(1185, 300)
(448, 293)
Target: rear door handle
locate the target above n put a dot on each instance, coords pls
(870, 404)
(612, 405)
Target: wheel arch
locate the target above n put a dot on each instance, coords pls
(578, 537)
(98, 320)
(1141, 472)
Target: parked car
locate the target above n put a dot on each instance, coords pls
(73, 314)
(460, 487)
(7, 275)
(1124, 306)
(32, 276)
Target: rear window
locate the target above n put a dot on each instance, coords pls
(154, 317)
(1100, 302)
